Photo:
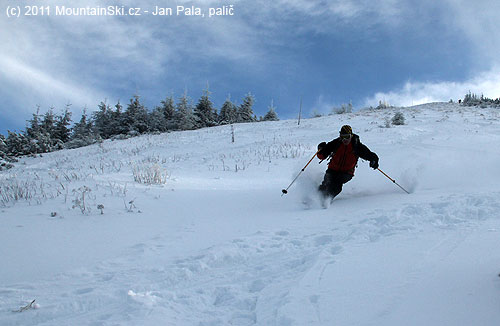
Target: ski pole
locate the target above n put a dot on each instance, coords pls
(285, 191)
(394, 181)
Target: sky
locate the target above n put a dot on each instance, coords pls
(321, 53)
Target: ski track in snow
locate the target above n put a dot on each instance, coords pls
(250, 280)
(335, 266)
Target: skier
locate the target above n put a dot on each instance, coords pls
(344, 152)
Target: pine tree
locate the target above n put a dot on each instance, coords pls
(33, 132)
(117, 121)
(168, 109)
(184, 118)
(17, 144)
(62, 132)
(245, 111)
(42, 142)
(3, 147)
(228, 113)
(83, 128)
(39, 136)
(102, 120)
(5, 160)
(82, 134)
(34, 127)
(398, 119)
(136, 116)
(157, 121)
(204, 113)
(48, 123)
(271, 114)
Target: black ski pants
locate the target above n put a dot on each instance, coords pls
(333, 182)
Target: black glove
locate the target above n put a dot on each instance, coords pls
(321, 146)
(374, 164)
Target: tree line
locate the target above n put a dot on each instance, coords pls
(472, 99)
(51, 131)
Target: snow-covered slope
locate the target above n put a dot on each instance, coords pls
(217, 244)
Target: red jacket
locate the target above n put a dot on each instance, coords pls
(345, 157)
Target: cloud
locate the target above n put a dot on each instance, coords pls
(54, 60)
(84, 60)
(414, 93)
(478, 24)
(479, 27)
(94, 48)
(340, 9)
(33, 80)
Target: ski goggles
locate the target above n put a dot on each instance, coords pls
(345, 136)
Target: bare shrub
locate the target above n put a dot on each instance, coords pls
(81, 199)
(12, 190)
(150, 174)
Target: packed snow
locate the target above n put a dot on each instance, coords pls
(194, 230)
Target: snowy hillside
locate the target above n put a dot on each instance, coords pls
(213, 242)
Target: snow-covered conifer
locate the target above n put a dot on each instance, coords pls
(204, 112)
(184, 118)
(157, 121)
(168, 109)
(40, 133)
(33, 126)
(48, 123)
(117, 124)
(398, 119)
(136, 116)
(17, 144)
(61, 129)
(228, 113)
(3, 147)
(245, 111)
(5, 160)
(82, 134)
(102, 120)
(271, 114)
